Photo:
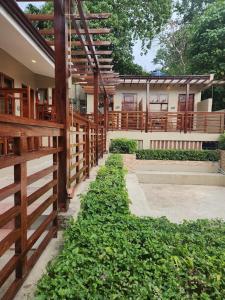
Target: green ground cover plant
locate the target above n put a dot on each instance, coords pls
(124, 146)
(192, 155)
(111, 254)
(222, 142)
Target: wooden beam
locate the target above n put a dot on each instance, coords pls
(78, 43)
(85, 60)
(82, 53)
(50, 17)
(50, 31)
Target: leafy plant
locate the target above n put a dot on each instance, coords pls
(195, 155)
(123, 146)
(111, 254)
(222, 141)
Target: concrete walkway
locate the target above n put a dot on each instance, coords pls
(177, 202)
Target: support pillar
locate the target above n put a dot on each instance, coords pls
(186, 108)
(147, 105)
(96, 101)
(61, 98)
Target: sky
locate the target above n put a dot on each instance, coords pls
(144, 60)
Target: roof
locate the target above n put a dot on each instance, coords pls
(18, 16)
(203, 80)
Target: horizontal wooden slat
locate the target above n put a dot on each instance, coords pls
(29, 122)
(8, 269)
(9, 215)
(38, 211)
(41, 191)
(39, 231)
(9, 190)
(15, 160)
(35, 177)
(11, 238)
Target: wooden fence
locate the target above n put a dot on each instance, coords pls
(29, 199)
(86, 147)
(204, 122)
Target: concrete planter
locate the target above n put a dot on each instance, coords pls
(222, 160)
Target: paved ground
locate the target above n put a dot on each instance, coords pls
(176, 202)
(179, 202)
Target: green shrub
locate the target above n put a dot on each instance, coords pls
(196, 155)
(123, 146)
(110, 254)
(222, 142)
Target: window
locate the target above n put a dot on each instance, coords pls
(6, 81)
(158, 102)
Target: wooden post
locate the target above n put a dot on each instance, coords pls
(88, 149)
(61, 97)
(106, 111)
(147, 103)
(186, 108)
(20, 199)
(96, 99)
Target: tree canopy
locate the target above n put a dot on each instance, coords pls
(130, 21)
(206, 50)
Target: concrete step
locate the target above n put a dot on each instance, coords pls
(181, 178)
(177, 166)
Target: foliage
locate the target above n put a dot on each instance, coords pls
(123, 146)
(207, 49)
(194, 155)
(173, 47)
(196, 46)
(110, 254)
(222, 141)
(190, 9)
(130, 21)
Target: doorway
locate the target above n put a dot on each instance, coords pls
(182, 108)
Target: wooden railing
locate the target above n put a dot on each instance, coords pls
(28, 195)
(15, 101)
(86, 147)
(31, 151)
(206, 122)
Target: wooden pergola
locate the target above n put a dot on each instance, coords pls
(75, 142)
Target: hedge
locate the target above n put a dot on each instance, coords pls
(194, 155)
(111, 254)
(222, 142)
(123, 145)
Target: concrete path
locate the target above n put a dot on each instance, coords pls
(189, 202)
(155, 196)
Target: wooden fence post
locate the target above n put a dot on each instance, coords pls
(61, 97)
(96, 119)
(20, 199)
(88, 149)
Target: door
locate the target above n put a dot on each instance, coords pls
(129, 102)
(129, 108)
(182, 108)
(182, 103)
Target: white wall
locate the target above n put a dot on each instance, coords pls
(140, 90)
(205, 105)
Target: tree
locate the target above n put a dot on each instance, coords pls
(207, 47)
(172, 53)
(131, 20)
(207, 43)
(187, 10)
